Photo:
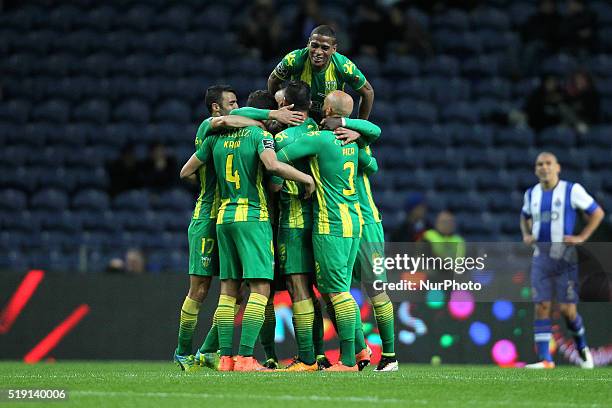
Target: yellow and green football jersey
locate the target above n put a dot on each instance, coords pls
(240, 173)
(340, 71)
(367, 165)
(207, 202)
(294, 212)
(337, 211)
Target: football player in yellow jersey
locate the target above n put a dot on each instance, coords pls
(324, 70)
(243, 228)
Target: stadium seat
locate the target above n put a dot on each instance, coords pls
(485, 65)
(483, 159)
(132, 111)
(434, 136)
(15, 111)
(95, 110)
(489, 182)
(383, 113)
(12, 200)
(173, 110)
(592, 181)
(433, 157)
(174, 200)
(458, 44)
(62, 221)
(403, 66)
(49, 199)
(412, 89)
(462, 112)
(514, 137)
(441, 65)
(452, 181)
(471, 202)
(448, 91)
(139, 17)
(419, 112)
(452, 19)
(494, 88)
(58, 178)
(471, 136)
(599, 136)
(134, 200)
(560, 64)
(55, 110)
(90, 200)
(556, 137)
(489, 18)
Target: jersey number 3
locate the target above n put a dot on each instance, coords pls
(232, 177)
(351, 179)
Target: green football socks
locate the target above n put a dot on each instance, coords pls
(268, 331)
(383, 312)
(254, 315)
(303, 319)
(225, 323)
(344, 308)
(187, 324)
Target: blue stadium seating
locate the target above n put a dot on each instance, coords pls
(83, 80)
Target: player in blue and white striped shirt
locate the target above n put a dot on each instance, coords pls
(548, 218)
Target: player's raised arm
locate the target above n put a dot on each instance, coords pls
(234, 121)
(283, 115)
(201, 156)
(367, 100)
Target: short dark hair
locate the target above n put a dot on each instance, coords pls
(261, 99)
(298, 94)
(214, 94)
(325, 31)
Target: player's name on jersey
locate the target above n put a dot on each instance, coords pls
(424, 285)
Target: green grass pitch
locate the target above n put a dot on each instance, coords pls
(153, 384)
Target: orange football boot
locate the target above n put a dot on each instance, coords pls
(341, 367)
(248, 364)
(226, 363)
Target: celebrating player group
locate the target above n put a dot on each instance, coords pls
(286, 178)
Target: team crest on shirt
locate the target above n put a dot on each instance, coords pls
(558, 202)
(206, 261)
(330, 86)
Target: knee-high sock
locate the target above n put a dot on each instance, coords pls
(211, 342)
(360, 343)
(225, 323)
(268, 331)
(331, 313)
(254, 315)
(303, 318)
(344, 308)
(542, 336)
(187, 324)
(577, 329)
(318, 330)
(383, 312)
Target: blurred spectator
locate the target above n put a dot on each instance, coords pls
(544, 105)
(159, 170)
(134, 262)
(582, 100)
(579, 32)
(261, 30)
(307, 18)
(406, 35)
(443, 240)
(115, 266)
(370, 28)
(544, 26)
(415, 225)
(124, 173)
(541, 35)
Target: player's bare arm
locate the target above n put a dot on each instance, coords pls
(528, 238)
(190, 167)
(268, 158)
(274, 83)
(367, 100)
(234, 121)
(593, 222)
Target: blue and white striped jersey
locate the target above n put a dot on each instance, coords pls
(554, 211)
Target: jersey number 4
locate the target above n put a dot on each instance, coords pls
(232, 177)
